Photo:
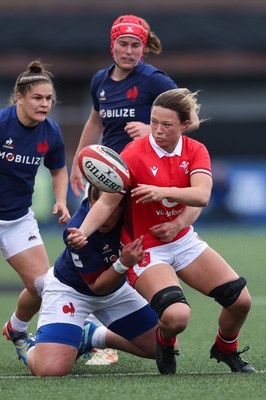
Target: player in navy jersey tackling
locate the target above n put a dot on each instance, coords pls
(28, 138)
(123, 93)
(173, 172)
(91, 280)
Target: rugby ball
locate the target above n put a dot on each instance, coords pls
(103, 168)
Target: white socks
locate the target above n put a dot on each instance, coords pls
(18, 325)
(98, 338)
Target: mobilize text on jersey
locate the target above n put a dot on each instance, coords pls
(18, 158)
(118, 113)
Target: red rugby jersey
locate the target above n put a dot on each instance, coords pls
(148, 165)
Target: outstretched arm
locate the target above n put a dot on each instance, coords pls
(99, 213)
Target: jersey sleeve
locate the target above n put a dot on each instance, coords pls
(201, 162)
(159, 82)
(55, 157)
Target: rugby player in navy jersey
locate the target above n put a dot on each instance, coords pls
(91, 280)
(28, 138)
(123, 93)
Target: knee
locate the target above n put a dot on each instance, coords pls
(243, 303)
(166, 297)
(32, 290)
(39, 284)
(229, 293)
(41, 364)
(172, 308)
(48, 370)
(35, 286)
(176, 317)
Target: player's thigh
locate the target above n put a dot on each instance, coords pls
(30, 263)
(20, 235)
(61, 305)
(207, 271)
(51, 359)
(156, 278)
(23, 248)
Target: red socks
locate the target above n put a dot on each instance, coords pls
(165, 342)
(226, 344)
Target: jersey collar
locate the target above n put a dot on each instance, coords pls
(161, 152)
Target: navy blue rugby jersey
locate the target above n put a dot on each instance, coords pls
(130, 99)
(79, 268)
(22, 150)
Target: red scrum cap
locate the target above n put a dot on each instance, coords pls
(129, 25)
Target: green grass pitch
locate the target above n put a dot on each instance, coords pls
(197, 376)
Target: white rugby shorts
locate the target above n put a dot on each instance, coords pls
(63, 304)
(19, 235)
(178, 254)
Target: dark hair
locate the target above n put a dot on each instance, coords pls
(153, 44)
(93, 193)
(34, 75)
(181, 100)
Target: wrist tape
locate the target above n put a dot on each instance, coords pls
(119, 267)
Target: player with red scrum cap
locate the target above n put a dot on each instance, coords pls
(131, 26)
(122, 94)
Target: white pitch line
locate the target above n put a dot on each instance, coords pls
(124, 374)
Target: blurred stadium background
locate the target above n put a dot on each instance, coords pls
(215, 46)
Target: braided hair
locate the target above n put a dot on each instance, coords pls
(34, 75)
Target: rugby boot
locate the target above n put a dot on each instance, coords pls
(20, 340)
(233, 360)
(103, 357)
(165, 358)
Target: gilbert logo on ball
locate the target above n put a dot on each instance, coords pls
(103, 168)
